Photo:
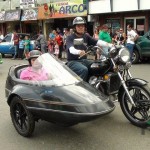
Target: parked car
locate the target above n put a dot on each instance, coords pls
(142, 48)
(6, 45)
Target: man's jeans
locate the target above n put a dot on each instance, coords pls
(16, 50)
(130, 47)
(80, 67)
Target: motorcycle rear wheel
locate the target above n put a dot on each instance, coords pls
(140, 114)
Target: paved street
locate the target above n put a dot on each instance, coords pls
(111, 132)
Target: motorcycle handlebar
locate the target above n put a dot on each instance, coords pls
(91, 49)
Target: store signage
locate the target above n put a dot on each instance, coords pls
(100, 6)
(12, 15)
(63, 9)
(29, 14)
(27, 3)
(2, 16)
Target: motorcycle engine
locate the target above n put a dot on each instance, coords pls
(93, 80)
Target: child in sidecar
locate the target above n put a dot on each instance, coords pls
(35, 71)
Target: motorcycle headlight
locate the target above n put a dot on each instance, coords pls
(124, 55)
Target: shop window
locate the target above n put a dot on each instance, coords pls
(114, 24)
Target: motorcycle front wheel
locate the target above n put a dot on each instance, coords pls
(138, 115)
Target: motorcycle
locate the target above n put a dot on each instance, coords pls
(112, 77)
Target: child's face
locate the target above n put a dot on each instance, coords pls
(26, 37)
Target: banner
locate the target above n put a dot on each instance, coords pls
(29, 14)
(27, 4)
(12, 15)
(62, 9)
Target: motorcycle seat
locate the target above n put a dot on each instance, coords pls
(19, 72)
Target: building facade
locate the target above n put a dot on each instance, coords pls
(30, 16)
(119, 13)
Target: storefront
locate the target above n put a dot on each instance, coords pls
(118, 14)
(60, 14)
(12, 19)
(29, 21)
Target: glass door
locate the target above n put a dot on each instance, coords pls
(140, 26)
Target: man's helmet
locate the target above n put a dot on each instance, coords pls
(78, 20)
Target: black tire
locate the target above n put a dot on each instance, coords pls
(137, 115)
(135, 57)
(22, 119)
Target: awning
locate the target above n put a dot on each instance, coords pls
(12, 15)
(29, 14)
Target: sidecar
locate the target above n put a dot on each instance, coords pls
(64, 99)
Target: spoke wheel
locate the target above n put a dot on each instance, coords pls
(22, 119)
(139, 114)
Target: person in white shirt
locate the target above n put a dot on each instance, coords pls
(1, 36)
(131, 38)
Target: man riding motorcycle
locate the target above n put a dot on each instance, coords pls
(74, 52)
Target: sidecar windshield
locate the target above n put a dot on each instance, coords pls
(58, 73)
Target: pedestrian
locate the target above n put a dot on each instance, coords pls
(21, 48)
(120, 37)
(132, 36)
(96, 36)
(42, 41)
(56, 49)
(66, 34)
(59, 40)
(26, 47)
(50, 42)
(71, 31)
(1, 36)
(105, 36)
(16, 43)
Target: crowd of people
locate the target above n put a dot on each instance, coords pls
(59, 42)
(118, 37)
(56, 43)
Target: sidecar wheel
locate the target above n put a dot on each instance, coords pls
(22, 119)
(140, 114)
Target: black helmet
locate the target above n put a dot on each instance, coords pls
(78, 20)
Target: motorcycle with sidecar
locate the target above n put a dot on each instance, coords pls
(64, 99)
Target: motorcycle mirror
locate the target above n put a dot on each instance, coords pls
(78, 41)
